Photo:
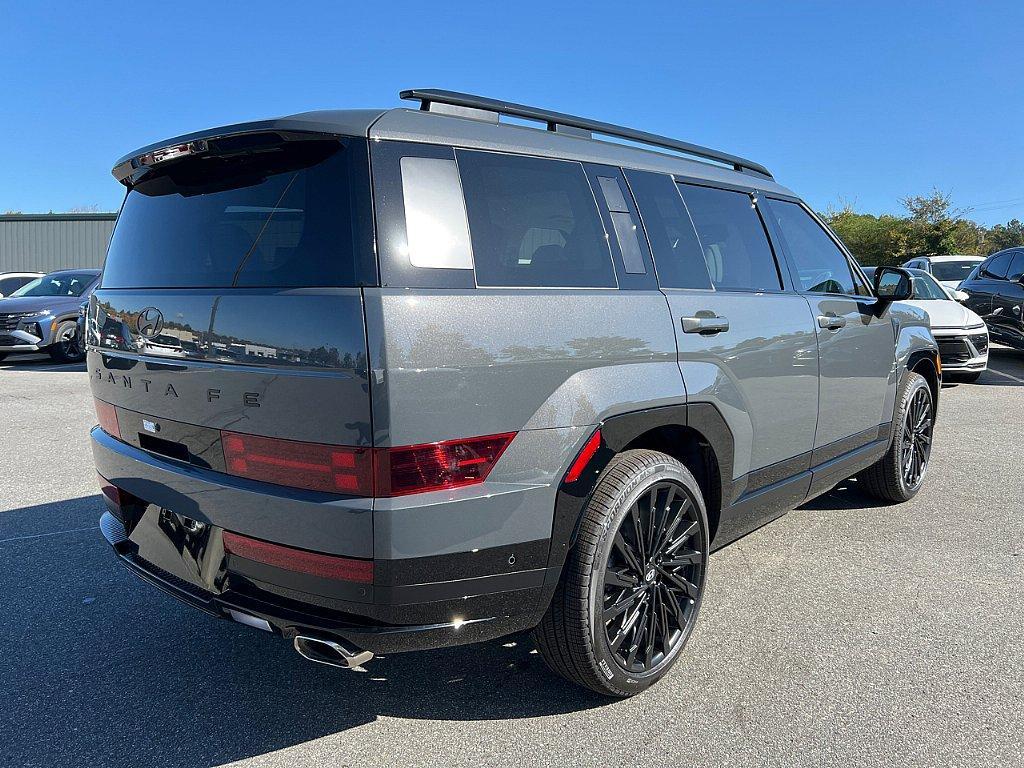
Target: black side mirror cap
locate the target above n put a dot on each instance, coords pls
(893, 284)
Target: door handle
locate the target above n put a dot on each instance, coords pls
(831, 322)
(705, 325)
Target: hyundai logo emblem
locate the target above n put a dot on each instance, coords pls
(150, 322)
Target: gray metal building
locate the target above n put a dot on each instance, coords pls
(43, 242)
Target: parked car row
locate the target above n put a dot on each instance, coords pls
(960, 332)
(41, 315)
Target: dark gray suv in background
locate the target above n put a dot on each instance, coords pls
(388, 380)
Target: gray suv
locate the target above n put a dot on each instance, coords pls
(387, 380)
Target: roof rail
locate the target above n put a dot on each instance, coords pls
(557, 120)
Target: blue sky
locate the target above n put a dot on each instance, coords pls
(860, 101)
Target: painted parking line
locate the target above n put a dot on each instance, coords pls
(1008, 376)
(51, 533)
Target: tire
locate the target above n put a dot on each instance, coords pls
(67, 346)
(893, 477)
(573, 637)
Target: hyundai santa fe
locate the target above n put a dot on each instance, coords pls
(387, 380)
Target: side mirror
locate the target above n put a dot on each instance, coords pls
(961, 296)
(893, 284)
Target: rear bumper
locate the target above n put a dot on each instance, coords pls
(412, 603)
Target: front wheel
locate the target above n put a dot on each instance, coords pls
(67, 346)
(899, 475)
(632, 584)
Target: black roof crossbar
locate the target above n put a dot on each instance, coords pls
(427, 96)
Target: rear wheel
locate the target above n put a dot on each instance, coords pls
(632, 584)
(899, 474)
(67, 346)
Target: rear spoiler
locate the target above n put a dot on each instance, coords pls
(130, 168)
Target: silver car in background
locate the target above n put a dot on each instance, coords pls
(42, 315)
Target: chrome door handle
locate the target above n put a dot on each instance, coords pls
(831, 322)
(705, 325)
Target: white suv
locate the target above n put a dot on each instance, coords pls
(949, 270)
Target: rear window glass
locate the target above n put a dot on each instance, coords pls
(677, 252)
(286, 216)
(72, 284)
(533, 222)
(953, 270)
(735, 246)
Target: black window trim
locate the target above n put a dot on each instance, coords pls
(640, 281)
(643, 225)
(854, 266)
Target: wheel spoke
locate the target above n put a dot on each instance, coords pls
(651, 630)
(620, 578)
(683, 537)
(634, 512)
(680, 583)
(673, 606)
(628, 553)
(618, 607)
(689, 557)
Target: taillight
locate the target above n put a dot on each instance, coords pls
(363, 471)
(107, 415)
(437, 466)
(330, 468)
(299, 560)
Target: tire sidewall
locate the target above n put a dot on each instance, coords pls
(614, 675)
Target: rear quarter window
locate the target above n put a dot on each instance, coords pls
(533, 222)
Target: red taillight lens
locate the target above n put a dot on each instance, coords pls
(330, 468)
(363, 471)
(299, 560)
(107, 415)
(585, 455)
(437, 466)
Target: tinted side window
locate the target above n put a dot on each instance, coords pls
(1016, 268)
(677, 252)
(998, 265)
(735, 246)
(533, 222)
(821, 266)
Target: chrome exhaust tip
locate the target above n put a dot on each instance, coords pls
(330, 652)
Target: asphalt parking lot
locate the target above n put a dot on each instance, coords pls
(845, 633)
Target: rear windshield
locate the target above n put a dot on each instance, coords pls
(290, 214)
(952, 270)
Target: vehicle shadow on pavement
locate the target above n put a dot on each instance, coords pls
(846, 495)
(99, 668)
(18, 362)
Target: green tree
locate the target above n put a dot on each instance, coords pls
(1009, 235)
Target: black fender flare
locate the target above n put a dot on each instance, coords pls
(617, 432)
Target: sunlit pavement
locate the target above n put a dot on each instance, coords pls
(845, 633)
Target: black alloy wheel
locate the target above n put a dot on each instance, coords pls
(651, 578)
(69, 346)
(917, 438)
(632, 584)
